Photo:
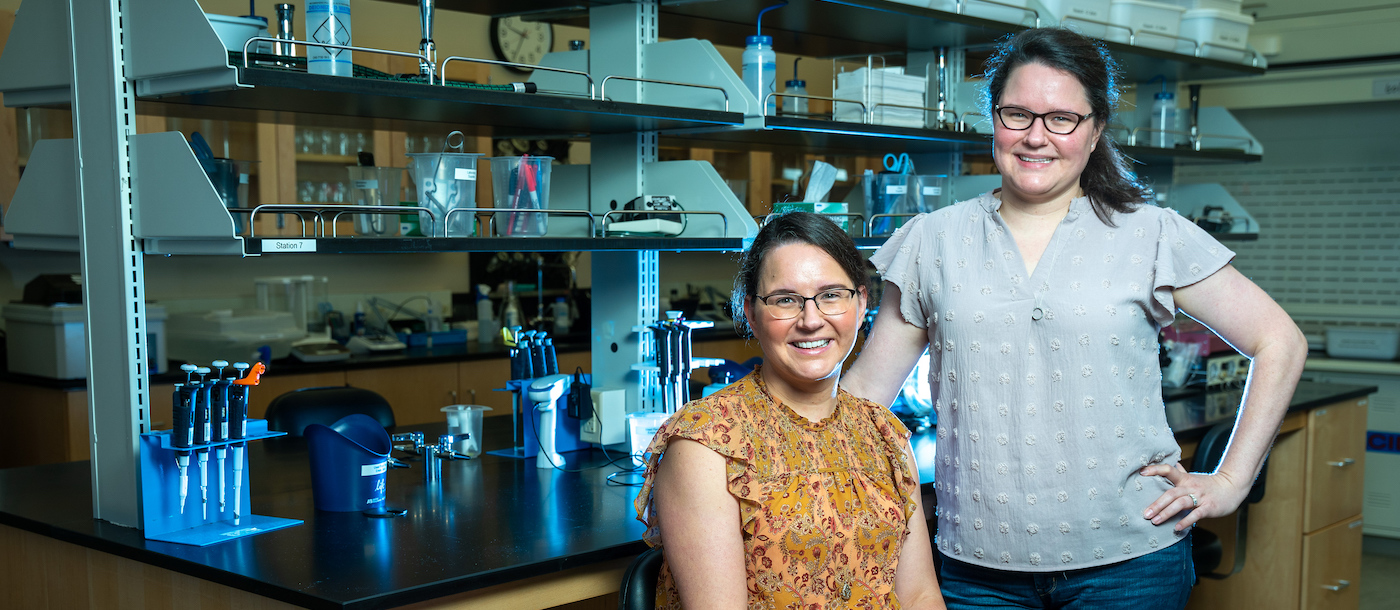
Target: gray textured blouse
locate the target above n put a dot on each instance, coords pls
(1047, 385)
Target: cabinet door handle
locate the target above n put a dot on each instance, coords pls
(1342, 464)
(1341, 584)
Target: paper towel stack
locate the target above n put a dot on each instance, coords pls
(881, 86)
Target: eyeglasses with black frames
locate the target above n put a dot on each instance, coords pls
(1059, 122)
(787, 305)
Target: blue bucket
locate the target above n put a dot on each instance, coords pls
(349, 462)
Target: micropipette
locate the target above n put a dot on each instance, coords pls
(238, 415)
(182, 429)
(202, 398)
(219, 415)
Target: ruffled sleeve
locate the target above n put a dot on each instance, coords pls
(899, 262)
(894, 440)
(715, 422)
(1186, 254)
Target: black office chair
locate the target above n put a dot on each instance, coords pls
(294, 411)
(639, 582)
(1207, 550)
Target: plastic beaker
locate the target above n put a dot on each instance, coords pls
(445, 181)
(375, 186)
(230, 180)
(349, 459)
(466, 419)
(641, 429)
(521, 184)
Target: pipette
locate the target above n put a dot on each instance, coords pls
(182, 429)
(219, 415)
(202, 397)
(238, 418)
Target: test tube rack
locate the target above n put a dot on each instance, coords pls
(162, 518)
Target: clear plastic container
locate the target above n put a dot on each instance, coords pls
(328, 22)
(760, 67)
(375, 186)
(445, 182)
(795, 106)
(521, 184)
(466, 419)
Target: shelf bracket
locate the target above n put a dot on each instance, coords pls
(44, 212)
(176, 209)
(36, 67)
(174, 49)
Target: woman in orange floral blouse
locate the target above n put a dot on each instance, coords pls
(781, 490)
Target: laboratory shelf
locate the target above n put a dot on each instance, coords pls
(780, 132)
(533, 114)
(284, 245)
(828, 28)
(1151, 155)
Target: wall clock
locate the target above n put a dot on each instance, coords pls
(520, 41)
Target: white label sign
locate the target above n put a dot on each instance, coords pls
(463, 173)
(933, 190)
(369, 470)
(896, 189)
(366, 184)
(289, 245)
(1385, 87)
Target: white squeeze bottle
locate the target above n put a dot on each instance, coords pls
(561, 317)
(485, 316)
(510, 316)
(1163, 119)
(761, 71)
(328, 21)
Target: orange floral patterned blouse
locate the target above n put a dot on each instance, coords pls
(824, 506)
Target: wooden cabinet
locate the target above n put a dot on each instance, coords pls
(1336, 463)
(417, 393)
(1306, 533)
(1332, 566)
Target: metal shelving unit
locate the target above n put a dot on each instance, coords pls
(120, 215)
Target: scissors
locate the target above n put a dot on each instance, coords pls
(900, 164)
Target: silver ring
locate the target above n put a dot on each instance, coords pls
(1194, 502)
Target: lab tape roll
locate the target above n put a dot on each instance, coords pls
(349, 464)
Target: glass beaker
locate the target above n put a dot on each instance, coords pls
(521, 184)
(466, 419)
(375, 186)
(445, 181)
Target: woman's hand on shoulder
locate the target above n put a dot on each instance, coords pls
(700, 527)
(1204, 495)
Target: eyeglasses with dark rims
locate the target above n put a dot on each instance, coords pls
(1060, 122)
(787, 305)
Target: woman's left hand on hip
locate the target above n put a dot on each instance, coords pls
(1202, 495)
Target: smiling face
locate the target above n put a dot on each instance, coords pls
(803, 355)
(1038, 166)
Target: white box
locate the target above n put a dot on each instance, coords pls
(1155, 24)
(202, 337)
(1084, 16)
(1363, 343)
(48, 340)
(608, 425)
(1216, 28)
(1231, 6)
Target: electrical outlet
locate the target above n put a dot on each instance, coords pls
(1242, 365)
(1213, 368)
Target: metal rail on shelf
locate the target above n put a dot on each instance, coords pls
(721, 216)
(923, 108)
(962, 120)
(422, 60)
(958, 8)
(603, 89)
(318, 226)
(492, 212)
(762, 220)
(249, 212)
(442, 72)
(773, 94)
(870, 224)
(1253, 55)
(1195, 141)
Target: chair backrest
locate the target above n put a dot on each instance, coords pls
(1212, 449)
(639, 582)
(294, 411)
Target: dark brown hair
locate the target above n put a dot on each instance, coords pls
(1108, 180)
(790, 228)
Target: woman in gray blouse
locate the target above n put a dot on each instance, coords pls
(1059, 483)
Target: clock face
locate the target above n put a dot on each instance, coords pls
(520, 41)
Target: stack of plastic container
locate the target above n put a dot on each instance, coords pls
(1219, 29)
(1154, 25)
(890, 96)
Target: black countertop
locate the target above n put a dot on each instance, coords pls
(493, 520)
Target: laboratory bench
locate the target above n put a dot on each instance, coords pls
(500, 533)
(50, 417)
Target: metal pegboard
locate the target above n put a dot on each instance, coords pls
(1329, 237)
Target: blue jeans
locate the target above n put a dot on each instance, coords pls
(1156, 581)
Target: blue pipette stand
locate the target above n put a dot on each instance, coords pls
(160, 501)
